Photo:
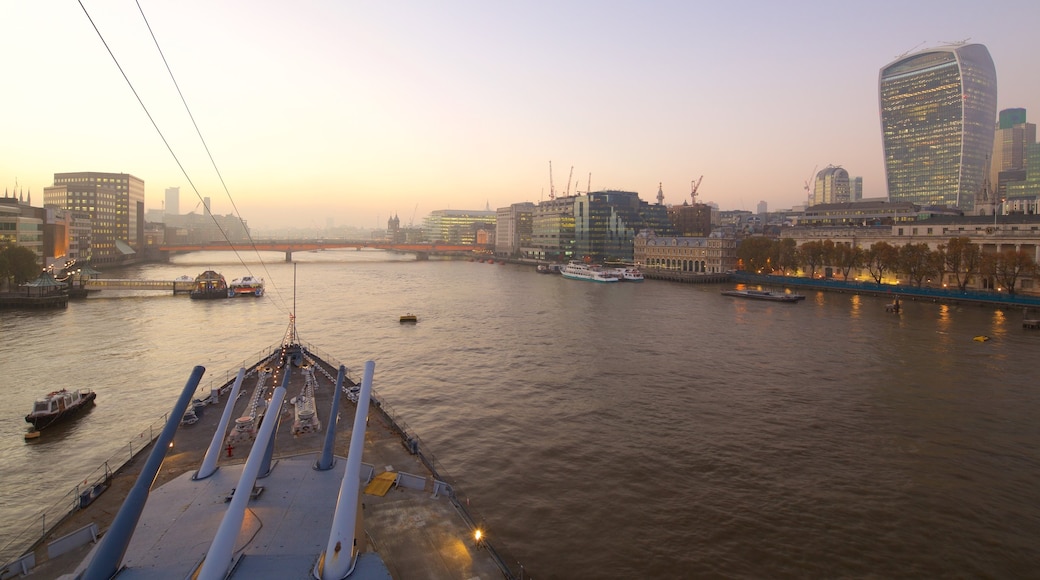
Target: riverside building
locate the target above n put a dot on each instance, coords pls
(115, 204)
(938, 108)
(713, 254)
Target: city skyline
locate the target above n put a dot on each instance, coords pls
(360, 113)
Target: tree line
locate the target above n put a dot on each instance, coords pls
(960, 259)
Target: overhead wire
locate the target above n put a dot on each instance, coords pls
(170, 148)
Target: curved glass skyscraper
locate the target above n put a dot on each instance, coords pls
(938, 109)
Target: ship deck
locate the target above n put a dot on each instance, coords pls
(416, 528)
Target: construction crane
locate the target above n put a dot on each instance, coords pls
(694, 186)
(412, 222)
(552, 190)
(808, 190)
(588, 188)
(569, 177)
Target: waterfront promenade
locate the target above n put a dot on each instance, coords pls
(980, 297)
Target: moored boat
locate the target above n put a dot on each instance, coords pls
(58, 406)
(629, 274)
(409, 318)
(579, 271)
(764, 295)
(246, 286)
(209, 285)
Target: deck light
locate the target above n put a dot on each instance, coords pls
(477, 535)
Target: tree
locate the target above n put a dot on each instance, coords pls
(938, 262)
(18, 264)
(1007, 266)
(963, 258)
(811, 256)
(846, 258)
(915, 263)
(786, 255)
(880, 258)
(755, 254)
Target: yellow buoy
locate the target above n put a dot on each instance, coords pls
(981, 338)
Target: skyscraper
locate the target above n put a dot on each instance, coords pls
(173, 201)
(1012, 138)
(938, 107)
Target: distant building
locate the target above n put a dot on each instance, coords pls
(866, 213)
(22, 225)
(1022, 195)
(832, 186)
(552, 231)
(456, 226)
(115, 204)
(713, 254)
(763, 208)
(855, 189)
(513, 229)
(606, 222)
(173, 201)
(937, 109)
(1011, 141)
(691, 220)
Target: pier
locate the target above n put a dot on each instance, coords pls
(173, 286)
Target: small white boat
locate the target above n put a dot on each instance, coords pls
(246, 286)
(629, 274)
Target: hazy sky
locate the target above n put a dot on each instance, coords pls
(358, 110)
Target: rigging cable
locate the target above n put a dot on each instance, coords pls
(163, 137)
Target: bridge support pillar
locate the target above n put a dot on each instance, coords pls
(288, 255)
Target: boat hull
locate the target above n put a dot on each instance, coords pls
(764, 295)
(43, 420)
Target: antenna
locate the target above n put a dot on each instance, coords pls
(911, 50)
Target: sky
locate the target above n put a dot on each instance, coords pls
(333, 111)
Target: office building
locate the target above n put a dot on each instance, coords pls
(115, 204)
(513, 229)
(1009, 162)
(855, 189)
(832, 186)
(938, 108)
(173, 201)
(459, 226)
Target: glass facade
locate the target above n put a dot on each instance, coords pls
(114, 202)
(938, 109)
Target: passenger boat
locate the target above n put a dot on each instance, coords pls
(246, 286)
(209, 285)
(629, 274)
(59, 406)
(764, 295)
(578, 271)
(262, 488)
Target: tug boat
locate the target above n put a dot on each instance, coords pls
(246, 286)
(58, 406)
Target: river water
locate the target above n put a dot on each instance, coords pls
(653, 430)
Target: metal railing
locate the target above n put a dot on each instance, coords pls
(80, 495)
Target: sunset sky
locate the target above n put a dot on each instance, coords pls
(356, 111)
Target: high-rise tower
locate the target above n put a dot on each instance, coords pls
(938, 107)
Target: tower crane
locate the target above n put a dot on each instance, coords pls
(694, 186)
(569, 176)
(808, 190)
(552, 190)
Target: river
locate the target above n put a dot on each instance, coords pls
(654, 430)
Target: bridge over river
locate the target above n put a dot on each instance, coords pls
(422, 251)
